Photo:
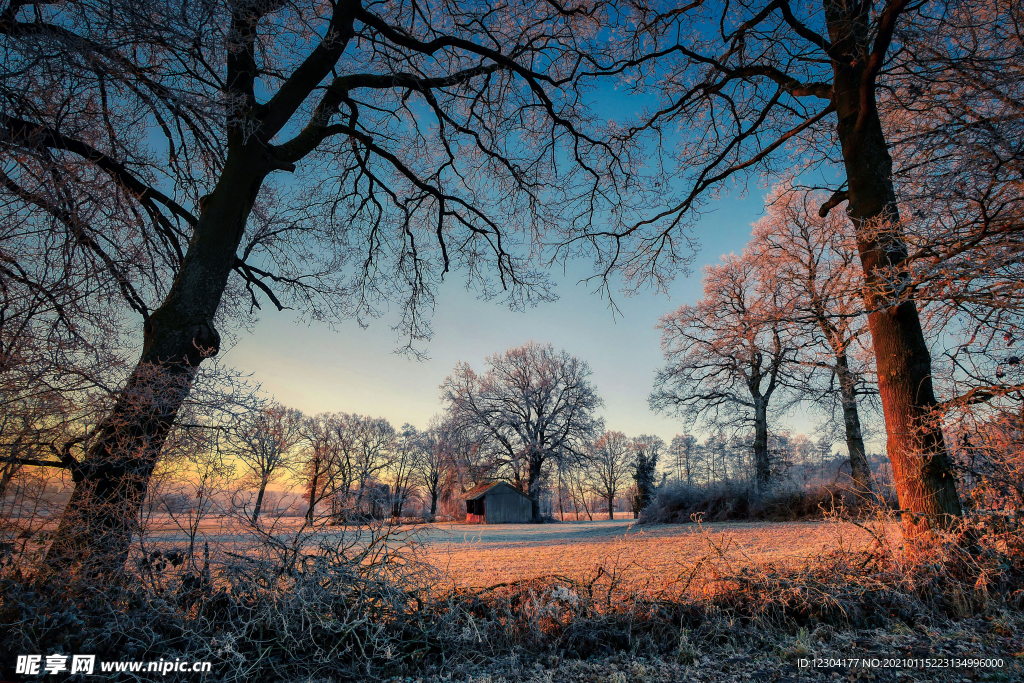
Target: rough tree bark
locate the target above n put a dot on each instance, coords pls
(311, 510)
(920, 463)
(260, 494)
(97, 526)
(860, 470)
(533, 486)
(762, 464)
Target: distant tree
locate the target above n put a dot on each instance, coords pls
(366, 449)
(430, 469)
(533, 405)
(810, 261)
(576, 478)
(646, 451)
(319, 465)
(727, 355)
(608, 467)
(408, 449)
(684, 451)
(436, 460)
(264, 443)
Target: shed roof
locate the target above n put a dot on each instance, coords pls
(483, 489)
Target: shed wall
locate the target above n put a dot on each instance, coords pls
(507, 507)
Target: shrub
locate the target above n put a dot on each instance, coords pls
(721, 502)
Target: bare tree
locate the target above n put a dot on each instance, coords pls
(576, 478)
(318, 467)
(436, 457)
(811, 263)
(347, 457)
(367, 452)
(684, 452)
(532, 405)
(265, 444)
(145, 140)
(727, 357)
(608, 467)
(408, 450)
(758, 84)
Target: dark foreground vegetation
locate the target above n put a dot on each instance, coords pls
(357, 606)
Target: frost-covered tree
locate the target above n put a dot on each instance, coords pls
(727, 357)
(608, 467)
(532, 405)
(811, 262)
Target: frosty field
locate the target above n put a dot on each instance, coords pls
(643, 557)
(651, 557)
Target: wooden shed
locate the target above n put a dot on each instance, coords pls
(497, 503)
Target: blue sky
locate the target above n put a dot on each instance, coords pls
(356, 370)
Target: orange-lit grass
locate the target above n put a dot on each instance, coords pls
(644, 558)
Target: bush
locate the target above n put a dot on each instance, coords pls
(721, 502)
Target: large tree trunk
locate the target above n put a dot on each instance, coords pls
(100, 519)
(313, 492)
(921, 467)
(762, 466)
(859, 468)
(259, 500)
(611, 507)
(533, 487)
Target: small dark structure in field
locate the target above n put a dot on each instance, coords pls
(497, 503)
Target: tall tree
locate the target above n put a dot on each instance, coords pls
(532, 405)
(407, 450)
(777, 81)
(811, 263)
(436, 460)
(144, 140)
(365, 448)
(727, 355)
(319, 468)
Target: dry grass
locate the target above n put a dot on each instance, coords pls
(759, 597)
(646, 557)
(643, 557)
